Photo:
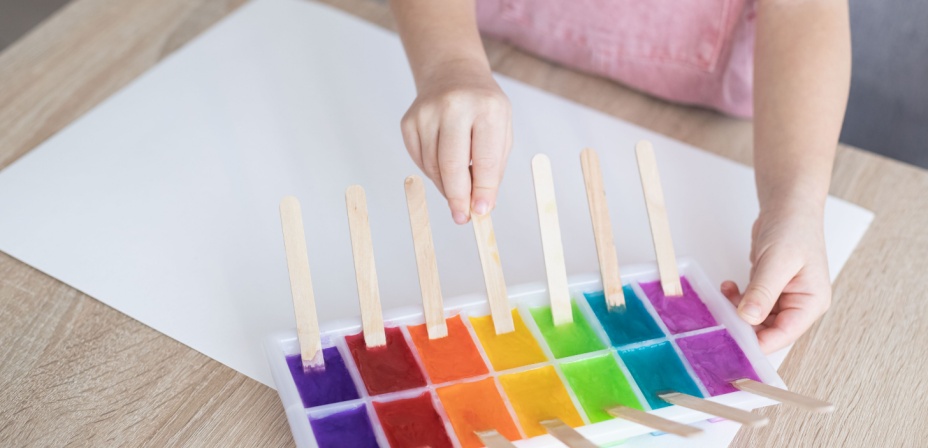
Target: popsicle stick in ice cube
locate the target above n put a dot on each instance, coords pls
(566, 435)
(301, 284)
(717, 409)
(783, 396)
(425, 258)
(654, 422)
(493, 273)
(493, 439)
(364, 268)
(602, 228)
(551, 240)
(657, 216)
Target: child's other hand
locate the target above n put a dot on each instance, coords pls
(461, 117)
(790, 286)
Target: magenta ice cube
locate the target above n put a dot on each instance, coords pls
(717, 360)
(680, 314)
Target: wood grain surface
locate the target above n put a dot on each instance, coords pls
(602, 228)
(657, 219)
(76, 372)
(365, 270)
(551, 246)
(426, 262)
(301, 283)
(493, 277)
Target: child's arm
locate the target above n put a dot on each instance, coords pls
(801, 78)
(460, 115)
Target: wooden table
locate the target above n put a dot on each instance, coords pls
(75, 371)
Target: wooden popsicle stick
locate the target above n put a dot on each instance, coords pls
(602, 228)
(493, 274)
(425, 258)
(783, 396)
(551, 245)
(654, 422)
(364, 269)
(717, 409)
(566, 435)
(301, 284)
(493, 439)
(657, 216)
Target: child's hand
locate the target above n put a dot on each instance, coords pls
(459, 118)
(790, 287)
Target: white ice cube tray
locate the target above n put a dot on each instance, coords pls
(524, 297)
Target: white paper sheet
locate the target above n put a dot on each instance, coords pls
(162, 201)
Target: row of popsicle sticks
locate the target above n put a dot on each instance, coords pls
(369, 295)
(553, 248)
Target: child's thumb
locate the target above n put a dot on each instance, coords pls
(770, 279)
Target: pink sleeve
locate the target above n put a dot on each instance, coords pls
(688, 51)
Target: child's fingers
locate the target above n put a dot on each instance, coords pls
(789, 325)
(490, 147)
(731, 292)
(411, 139)
(508, 136)
(428, 143)
(770, 277)
(507, 147)
(772, 339)
(454, 165)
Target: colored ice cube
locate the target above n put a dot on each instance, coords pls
(717, 360)
(346, 428)
(510, 350)
(386, 369)
(599, 384)
(412, 422)
(657, 369)
(680, 314)
(625, 325)
(319, 387)
(450, 358)
(568, 339)
(477, 406)
(537, 395)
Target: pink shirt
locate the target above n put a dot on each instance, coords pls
(689, 51)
